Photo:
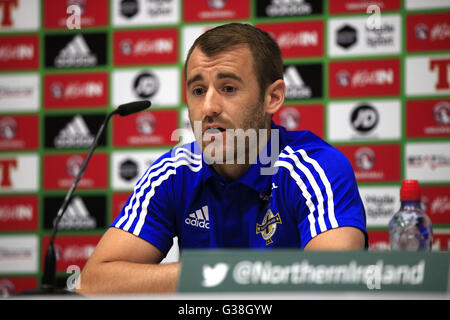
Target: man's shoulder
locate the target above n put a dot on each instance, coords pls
(304, 150)
(183, 159)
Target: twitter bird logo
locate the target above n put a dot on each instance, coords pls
(213, 276)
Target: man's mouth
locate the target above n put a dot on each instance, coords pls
(213, 130)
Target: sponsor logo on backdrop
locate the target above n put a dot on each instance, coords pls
(351, 36)
(195, 10)
(75, 131)
(304, 117)
(430, 4)
(75, 90)
(374, 163)
(351, 6)
(60, 170)
(77, 50)
(13, 285)
(15, 132)
(19, 173)
(19, 52)
(189, 34)
(428, 162)
(379, 240)
(428, 32)
(160, 85)
(428, 118)
(288, 8)
(19, 92)
(19, 15)
(145, 47)
(364, 78)
(380, 204)
(19, 254)
(145, 12)
(93, 13)
(303, 81)
(19, 213)
(146, 129)
(71, 250)
(297, 39)
(427, 75)
(436, 203)
(128, 168)
(85, 212)
(374, 119)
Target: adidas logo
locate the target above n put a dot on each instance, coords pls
(200, 218)
(75, 134)
(77, 216)
(76, 54)
(295, 86)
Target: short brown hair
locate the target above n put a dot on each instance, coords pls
(267, 61)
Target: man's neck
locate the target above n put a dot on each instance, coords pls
(233, 171)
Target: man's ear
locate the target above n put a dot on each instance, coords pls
(274, 97)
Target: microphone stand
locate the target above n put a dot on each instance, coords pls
(49, 280)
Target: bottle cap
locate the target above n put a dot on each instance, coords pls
(410, 191)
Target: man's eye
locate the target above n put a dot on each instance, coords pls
(229, 89)
(197, 91)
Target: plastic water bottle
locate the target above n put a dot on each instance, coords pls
(410, 228)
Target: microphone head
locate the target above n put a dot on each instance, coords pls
(133, 107)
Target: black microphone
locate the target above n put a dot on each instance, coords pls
(132, 107)
(49, 279)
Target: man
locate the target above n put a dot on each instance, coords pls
(245, 183)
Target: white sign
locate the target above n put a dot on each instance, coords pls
(19, 92)
(428, 162)
(427, 75)
(23, 17)
(19, 254)
(127, 168)
(351, 36)
(19, 172)
(380, 204)
(428, 4)
(159, 85)
(363, 120)
(145, 12)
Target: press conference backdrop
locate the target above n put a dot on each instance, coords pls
(373, 81)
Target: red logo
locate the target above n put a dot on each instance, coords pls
(297, 39)
(76, 90)
(351, 6)
(19, 52)
(364, 78)
(6, 165)
(441, 67)
(146, 129)
(19, 213)
(428, 118)
(93, 13)
(436, 203)
(428, 32)
(145, 47)
(19, 132)
(60, 171)
(304, 117)
(71, 250)
(208, 10)
(6, 6)
(374, 163)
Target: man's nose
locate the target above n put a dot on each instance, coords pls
(212, 103)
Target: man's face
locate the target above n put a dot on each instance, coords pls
(223, 94)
